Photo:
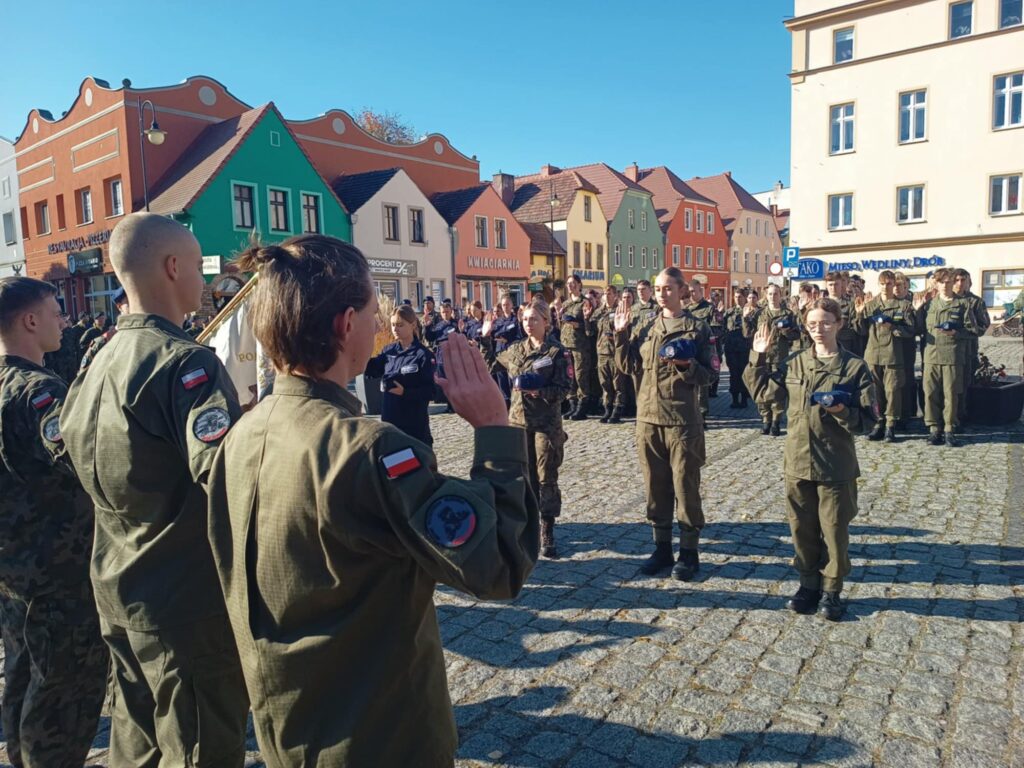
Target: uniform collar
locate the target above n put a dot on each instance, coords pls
(299, 386)
(15, 361)
(134, 322)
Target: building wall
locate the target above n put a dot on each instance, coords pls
(258, 163)
(960, 153)
(12, 255)
(433, 259)
(753, 249)
(595, 232)
(621, 234)
(678, 235)
(496, 266)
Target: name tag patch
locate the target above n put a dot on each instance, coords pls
(51, 430)
(451, 521)
(212, 424)
(544, 362)
(42, 401)
(400, 463)
(411, 368)
(193, 379)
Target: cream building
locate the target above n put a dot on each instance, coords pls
(12, 253)
(908, 138)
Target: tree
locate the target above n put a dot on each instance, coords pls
(386, 126)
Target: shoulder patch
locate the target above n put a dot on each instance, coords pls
(212, 424)
(51, 430)
(194, 378)
(42, 400)
(451, 521)
(400, 463)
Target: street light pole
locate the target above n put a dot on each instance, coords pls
(155, 135)
(553, 202)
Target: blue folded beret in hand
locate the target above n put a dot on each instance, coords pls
(784, 322)
(950, 325)
(528, 382)
(679, 349)
(832, 397)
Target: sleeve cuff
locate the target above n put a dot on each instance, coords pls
(499, 444)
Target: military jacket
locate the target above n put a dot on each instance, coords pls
(65, 361)
(819, 445)
(644, 311)
(669, 395)
(413, 368)
(942, 349)
(330, 533)
(46, 519)
(94, 349)
(542, 413)
(783, 340)
(885, 345)
(92, 332)
(574, 334)
(604, 329)
(735, 342)
(702, 310)
(142, 428)
(979, 311)
(848, 335)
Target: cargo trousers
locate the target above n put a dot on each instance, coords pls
(819, 517)
(546, 451)
(671, 458)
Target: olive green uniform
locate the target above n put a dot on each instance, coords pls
(885, 352)
(704, 311)
(820, 459)
(771, 402)
(849, 337)
(669, 427)
(982, 321)
(330, 533)
(737, 350)
(945, 359)
(540, 416)
(575, 338)
(142, 428)
(613, 380)
(65, 361)
(641, 312)
(55, 664)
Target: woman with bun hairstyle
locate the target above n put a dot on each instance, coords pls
(406, 373)
(831, 399)
(538, 369)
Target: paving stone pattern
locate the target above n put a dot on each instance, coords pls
(595, 666)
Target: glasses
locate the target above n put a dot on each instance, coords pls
(823, 325)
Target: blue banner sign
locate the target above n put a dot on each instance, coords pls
(810, 269)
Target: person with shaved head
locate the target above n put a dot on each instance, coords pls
(142, 427)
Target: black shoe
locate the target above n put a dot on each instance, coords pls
(831, 607)
(735, 401)
(686, 566)
(776, 428)
(570, 407)
(935, 437)
(607, 414)
(902, 425)
(878, 432)
(952, 440)
(890, 435)
(804, 601)
(766, 427)
(580, 414)
(616, 417)
(547, 538)
(659, 560)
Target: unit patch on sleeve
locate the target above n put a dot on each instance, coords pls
(451, 521)
(400, 463)
(42, 400)
(212, 424)
(51, 429)
(194, 378)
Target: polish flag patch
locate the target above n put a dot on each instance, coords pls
(400, 463)
(41, 401)
(193, 379)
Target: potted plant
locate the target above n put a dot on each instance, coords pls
(368, 387)
(993, 397)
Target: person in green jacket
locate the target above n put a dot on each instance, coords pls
(737, 348)
(842, 289)
(704, 310)
(673, 349)
(330, 532)
(772, 403)
(831, 399)
(613, 381)
(887, 322)
(982, 321)
(909, 346)
(576, 328)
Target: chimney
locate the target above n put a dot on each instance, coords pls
(505, 185)
(632, 172)
(729, 174)
(774, 208)
(549, 170)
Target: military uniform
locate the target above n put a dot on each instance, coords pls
(945, 359)
(640, 313)
(848, 336)
(669, 427)
(885, 351)
(94, 349)
(820, 459)
(613, 380)
(87, 337)
(330, 591)
(575, 338)
(505, 331)
(55, 663)
(982, 320)
(737, 350)
(717, 324)
(412, 368)
(66, 361)
(771, 403)
(704, 311)
(142, 429)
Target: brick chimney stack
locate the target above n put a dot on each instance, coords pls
(505, 185)
(549, 170)
(632, 172)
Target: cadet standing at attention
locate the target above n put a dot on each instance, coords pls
(576, 327)
(831, 398)
(539, 372)
(55, 661)
(737, 348)
(982, 320)
(673, 350)
(771, 403)
(142, 428)
(642, 309)
(330, 531)
(887, 322)
(717, 324)
(838, 286)
(613, 380)
(909, 345)
(703, 310)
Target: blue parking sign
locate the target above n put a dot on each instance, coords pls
(790, 257)
(810, 269)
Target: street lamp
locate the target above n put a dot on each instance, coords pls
(156, 137)
(553, 201)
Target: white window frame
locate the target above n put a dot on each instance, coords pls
(643, 257)
(398, 223)
(588, 212)
(735, 260)
(1004, 194)
(319, 211)
(480, 233)
(501, 243)
(1002, 12)
(116, 200)
(700, 221)
(842, 119)
(700, 257)
(43, 217)
(643, 221)
(85, 203)
(711, 223)
(970, 31)
(845, 202)
(654, 259)
(254, 202)
(287, 212)
(675, 255)
(631, 256)
(5, 185)
(835, 42)
(746, 262)
(631, 217)
(688, 262)
(688, 220)
(757, 262)
(617, 255)
(1010, 91)
(917, 112)
(10, 237)
(910, 190)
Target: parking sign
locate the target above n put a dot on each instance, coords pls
(790, 257)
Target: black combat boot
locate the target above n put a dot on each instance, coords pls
(890, 435)
(659, 560)
(572, 404)
(804, 601)
(580, 412)
(935, 437)
(607, 414)
(616, 417)
(831, 607)
(687, 565)
(952, 440)
(766, 426)
(736, 401)
(878, 431)
(776, 429)
(547, 537)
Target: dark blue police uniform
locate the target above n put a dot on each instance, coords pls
(413, 368)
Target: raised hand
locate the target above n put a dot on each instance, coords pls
(622, 317)
(469, 387)
(763, 339)
(488, 324)
(588, 310)
(748, 310)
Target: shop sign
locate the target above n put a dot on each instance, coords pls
(592, 275)
(211, 265)
(399, 267)
(85, 262)
(877, 265)
(79, 243)
(485, 262)
(618, 281)
(539, 274)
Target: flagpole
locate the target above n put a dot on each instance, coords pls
(229, 309)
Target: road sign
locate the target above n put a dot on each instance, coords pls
(810, 269)
(777, 280)
(775, 268)
(790, 256)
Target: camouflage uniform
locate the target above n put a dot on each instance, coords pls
(65, 361)
(613, 381)
(705, 312)
(771, 402)
(56, 662)
(94, 349)
(575, 339)
(737, 350)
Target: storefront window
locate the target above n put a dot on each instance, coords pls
(98, 292)
(1002, 286)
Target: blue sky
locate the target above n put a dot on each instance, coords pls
(698, 86)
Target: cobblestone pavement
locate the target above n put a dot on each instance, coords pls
(595, 666)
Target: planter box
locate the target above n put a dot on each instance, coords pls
(1000, 403)
(368, 392)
